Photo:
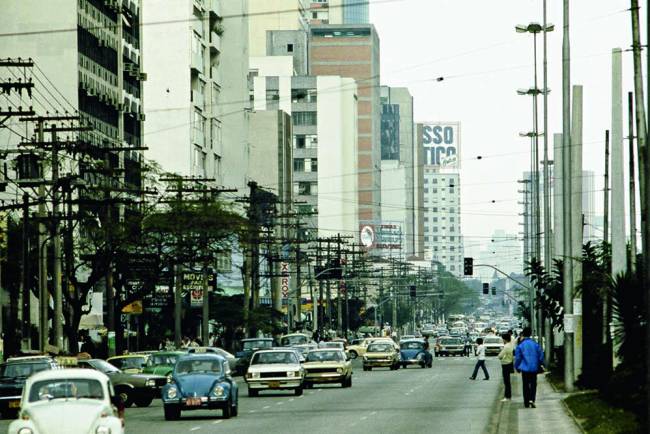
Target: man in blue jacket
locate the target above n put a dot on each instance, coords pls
(529, 358)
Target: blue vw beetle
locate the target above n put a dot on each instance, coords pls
(200, 381)
(413, 352)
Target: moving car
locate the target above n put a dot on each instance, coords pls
(381, 354)
(200, 381)
(493, 345)
(162, 362)
(332, 345)
(68, 401)
(305, 349)
(294, 339)
(138, 389)
(129, 363)
(450, 346)
(412, 352)
(13, 375)
(273, 370)
(249, 346)
(328, 366)
(232, 360)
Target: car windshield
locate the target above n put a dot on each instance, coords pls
(276, 357)
(249, 345)
(450, 341)
(288, 341)
(162, 359)
(412, 345)
(103, 366)
(76, 388)
(331, 345)
(194, 366)
(129, 362)
(380, 348)
(492, 340)
(325, 356)
(21, 370)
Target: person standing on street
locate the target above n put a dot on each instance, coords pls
(507, 356)
(480, 363)
(529, 360)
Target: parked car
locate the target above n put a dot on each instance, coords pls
(328, 366)
(381, 354)
(129, 363)
(13, 375)
(412, 352)
(138, 389)
(200, 381)
(70, 401)
(162, 362)
(249, 346)
(450, 346)
(275, 369)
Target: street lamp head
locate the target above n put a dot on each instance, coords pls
(529, 28)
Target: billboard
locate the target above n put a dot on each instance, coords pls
(380, 235)
(441, 141)
(390, 131)
(193, 283)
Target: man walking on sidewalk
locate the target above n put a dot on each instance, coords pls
(529, 359)
(507, 356)
(480, 363)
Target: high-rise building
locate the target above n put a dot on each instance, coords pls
(352, 51)
(268, 15)
(323, 111)
(326, 12)
(194, 68)
(398, 164)
(356, 11)
(443, 238)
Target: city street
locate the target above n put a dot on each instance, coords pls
(441, 399)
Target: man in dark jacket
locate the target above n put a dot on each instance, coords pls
(529, 359)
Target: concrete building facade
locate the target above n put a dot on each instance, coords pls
(267, 15)
(352, 51)
(326, 12)
(356, 12)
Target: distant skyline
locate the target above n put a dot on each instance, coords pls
(474, 46)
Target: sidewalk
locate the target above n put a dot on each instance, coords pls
(550, 416)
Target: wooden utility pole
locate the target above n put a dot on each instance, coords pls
(606, 191)
(632, 192)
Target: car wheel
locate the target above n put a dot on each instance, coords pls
(353, 354)
(172, 412)
(226, 412)
(298, 391)
(125, 396)
(309, 385)
(234, 410)
(369, 368)
(253, 392)
(403, 365)
(143, 401)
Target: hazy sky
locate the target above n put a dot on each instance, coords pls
(473, 44)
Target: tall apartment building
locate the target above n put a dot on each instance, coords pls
(398, 164)
(356, 11)
(326, 12)
(95, 69)
(196, 110)
(323, 111)
(443, 238)
(353, 51)
(267, 15)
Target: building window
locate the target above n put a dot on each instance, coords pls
(426, 219)
(451, 219)
(452, 267)
(435, 229)
(452, 239)
(299, 142)
(435, 181)
(435, 239)
(435, 219)
(435, 248)
(435, 209)
(452, 210)
(289, 48)
(304, 118)
(426, 239)
(305, 188)
(272, 95)
(451, 190)
(452, 229)
(426, 180)
(426, 190)
(434, 190)
(298, 165)
(452, 248)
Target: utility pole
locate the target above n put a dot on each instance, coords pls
(569, 377)
(26, 278)
(43, 293)
(339, 307)
(56, 246)
(577, 223)
(606, 192)
(633, 249)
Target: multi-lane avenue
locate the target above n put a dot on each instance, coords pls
(414, 400)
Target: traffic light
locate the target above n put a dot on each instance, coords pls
(494, 290)
(468, 266)
(486, 289)
(412, 291)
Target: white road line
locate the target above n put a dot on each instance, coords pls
(373, 413)
(251, 411)
(196, 428)
(364, 418)
(217, 422)
(280, 403)
(290, 400)
(265, 407)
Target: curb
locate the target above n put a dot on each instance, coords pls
(572, 415)
(497, 413)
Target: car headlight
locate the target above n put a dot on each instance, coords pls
(170, 379)
(172, 392)
(420, 356)
(219, 391)
(102, 430)
(291, 374)
(150, 383)
(25, 431)
(339, 370)
(253, 375)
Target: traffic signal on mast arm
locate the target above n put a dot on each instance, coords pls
(494, 290)
(468, 266)
(486, 289)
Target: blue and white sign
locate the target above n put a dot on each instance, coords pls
(441, 143)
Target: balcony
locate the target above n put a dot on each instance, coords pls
(197, 25)
(198, 99)
(215, 75)
(215, 42)
(198, 138)
(197, 62)
(215, 8)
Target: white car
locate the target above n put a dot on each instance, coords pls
(273, 370)
(74, 401)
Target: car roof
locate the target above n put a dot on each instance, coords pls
(30, 359)
(257, 339)
(404, 341)
(199, 356)
(277, 350)
(68, 373)
(127, 356)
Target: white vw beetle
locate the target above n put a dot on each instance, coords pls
(68, 401)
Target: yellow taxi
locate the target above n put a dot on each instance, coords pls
(381, 354)
(327, 365)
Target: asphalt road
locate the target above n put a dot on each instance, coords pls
(413, 400)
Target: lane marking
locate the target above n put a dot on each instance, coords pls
(217, 421)
(373, 413)
(364, 418)
(280, 403)
(291, 400)
(251, 411)
(265, 407)
(196, 428)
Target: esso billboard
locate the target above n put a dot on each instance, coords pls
(441, 143)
